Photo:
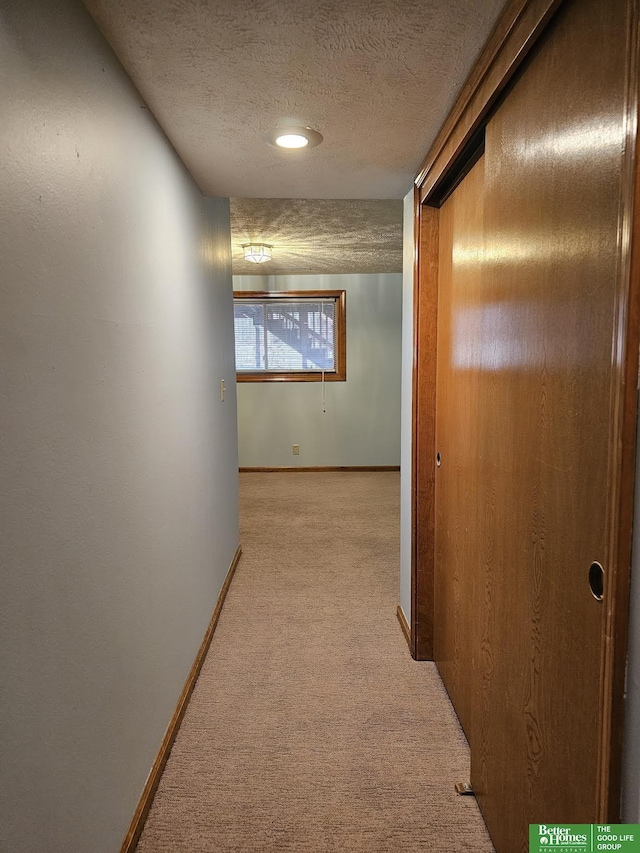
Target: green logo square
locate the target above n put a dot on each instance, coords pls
(561, 838)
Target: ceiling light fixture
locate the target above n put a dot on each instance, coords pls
(293, 137)
(292, 140)
(257, 253)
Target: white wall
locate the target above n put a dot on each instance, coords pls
(407, 399)
(361, 425)
(118, 463)
(631, 759)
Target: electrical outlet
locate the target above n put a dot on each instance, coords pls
(296, 450)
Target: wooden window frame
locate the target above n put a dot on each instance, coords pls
(339, 374)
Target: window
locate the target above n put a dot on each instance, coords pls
(293, 336)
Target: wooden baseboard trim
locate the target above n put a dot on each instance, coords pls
(137, 823)
(402, 619)
(320, 468)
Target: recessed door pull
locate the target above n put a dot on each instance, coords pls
(438, 459)
(596, 581)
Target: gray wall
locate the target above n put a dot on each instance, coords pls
(631, 768)
(407, 400)
(361, 425)
(118, 462)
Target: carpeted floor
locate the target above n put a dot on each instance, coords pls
(310, 728)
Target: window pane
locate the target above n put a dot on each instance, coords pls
(290, 337)
(249, 329)
(300, 336)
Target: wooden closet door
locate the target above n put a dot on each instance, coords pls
(549, 395)
(530, 358)
(459, 516)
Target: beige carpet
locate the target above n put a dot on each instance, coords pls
(310, 728)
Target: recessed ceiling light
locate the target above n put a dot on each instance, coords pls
(292, 140)
(293, 137)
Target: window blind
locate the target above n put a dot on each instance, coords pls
(285, 335)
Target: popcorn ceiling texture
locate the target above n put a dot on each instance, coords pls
(375, 77)
(318, 235)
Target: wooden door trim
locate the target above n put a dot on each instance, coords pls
(425, 306)
(514, 35)
(624, 414)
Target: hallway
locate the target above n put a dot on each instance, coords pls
(311, 728)
(137, 167)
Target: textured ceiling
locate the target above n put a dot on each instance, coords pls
(318, 235)
(375, 77)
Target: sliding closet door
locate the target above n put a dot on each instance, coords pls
(459, 515)
(527, 407)
(549, 359)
